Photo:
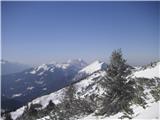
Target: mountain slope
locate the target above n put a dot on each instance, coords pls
(90, 86)
(57, 96)
(149, 72)
(38, 81)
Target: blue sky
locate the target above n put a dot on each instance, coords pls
(40, 32)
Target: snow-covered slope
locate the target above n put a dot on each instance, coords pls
(149, 72)
(57, 96)
(150, 113)
(82, 88)
(90, 69)
(93, 67)
(90, 85)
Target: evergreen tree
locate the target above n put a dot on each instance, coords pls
(8, 116)
(70, 94)
(69, 102)
(119, 89)
(50, 106)
(73, 106)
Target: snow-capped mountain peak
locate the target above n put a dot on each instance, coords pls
(43, 67)
(78, 62)
(93, 67)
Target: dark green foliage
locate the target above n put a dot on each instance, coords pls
(140, 96)
(156, 93)
(151, 84)
(70, 93)
(72, 106)
(125, 115)
(50, 106)
(8, 116)
(31, 112)
(119, 89)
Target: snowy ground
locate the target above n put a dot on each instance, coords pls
(149, 72)
(152, 112)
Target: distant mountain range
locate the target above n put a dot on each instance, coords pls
(34, 82)
(12, 67)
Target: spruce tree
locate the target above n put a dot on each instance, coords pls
(119, 89)
(50, 106)
(70, 93)
(8, 116)
(69, 102)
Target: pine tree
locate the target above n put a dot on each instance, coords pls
(119, 89)
(8, 116)
(70, 94)
(69, 102)
(50, 106)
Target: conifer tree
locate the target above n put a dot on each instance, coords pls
(70, 93)
(119, 88)
(8, 116)
(50, 106)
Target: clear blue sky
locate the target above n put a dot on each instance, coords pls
(39, 32)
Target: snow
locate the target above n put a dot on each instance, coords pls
(151, 112)
(52, 69)
(55, 97)
(90, 81)
(17, 113)
(44, 118)
(149, 72)
(16, 95)
(78, 62)
(63, 66)
(30, 88)
(43, 66)
(33, 72)
(18, 80)
(51, 66)
(95, 66)
(93, 117)
(39, 82)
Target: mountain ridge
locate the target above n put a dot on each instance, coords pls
(85, 88)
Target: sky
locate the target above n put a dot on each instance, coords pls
(41, 32)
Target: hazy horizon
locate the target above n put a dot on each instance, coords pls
(40, 32)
